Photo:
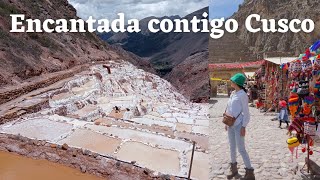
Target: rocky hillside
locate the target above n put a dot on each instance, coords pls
(164, 50)
(229, 48)
(273, 44)
(171, 54)
(27, 55)
(191, 77)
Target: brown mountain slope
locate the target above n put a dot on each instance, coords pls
(272, 44)
(164, 50)
(191, 77)
(26, 55)
(229, 48)
(172, 54)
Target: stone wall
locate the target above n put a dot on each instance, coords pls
(224, 74)
(81, 159)
(10, 93)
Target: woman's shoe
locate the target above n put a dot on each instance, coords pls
(233, 171)
(249, 175)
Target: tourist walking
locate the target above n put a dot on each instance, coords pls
(238, 107)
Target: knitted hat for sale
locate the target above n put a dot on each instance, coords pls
(293, 142)
(316, 89)
(239, 79)
(309, 100)
(293, 99)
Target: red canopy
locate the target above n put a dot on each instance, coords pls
(236, 65)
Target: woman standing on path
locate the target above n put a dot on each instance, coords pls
(283, 115)
(238, 107)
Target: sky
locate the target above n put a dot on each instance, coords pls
(136, 9)
(223, 8)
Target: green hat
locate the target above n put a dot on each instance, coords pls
(239, 79)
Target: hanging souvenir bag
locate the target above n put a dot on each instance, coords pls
(310, 129)
(296, 125)
(296, 68)
(316, 65)
(303, 89)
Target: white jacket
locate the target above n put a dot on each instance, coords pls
(238, 104)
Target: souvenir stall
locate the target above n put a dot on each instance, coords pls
(260, 82)
(272, 86)
(272, 83)
(303, 102)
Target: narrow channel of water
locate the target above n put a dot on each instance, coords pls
(14, 167)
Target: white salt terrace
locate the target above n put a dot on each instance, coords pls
(154, 126)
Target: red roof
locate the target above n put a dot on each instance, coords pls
(236, 65)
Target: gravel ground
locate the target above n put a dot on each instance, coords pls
(265, 142)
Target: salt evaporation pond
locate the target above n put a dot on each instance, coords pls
(16, 167)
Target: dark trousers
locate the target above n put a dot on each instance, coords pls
(285, 122)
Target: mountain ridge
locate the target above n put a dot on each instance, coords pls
(166, 51)
(251, 46)
(27, 55)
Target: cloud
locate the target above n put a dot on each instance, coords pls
(136, 9)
